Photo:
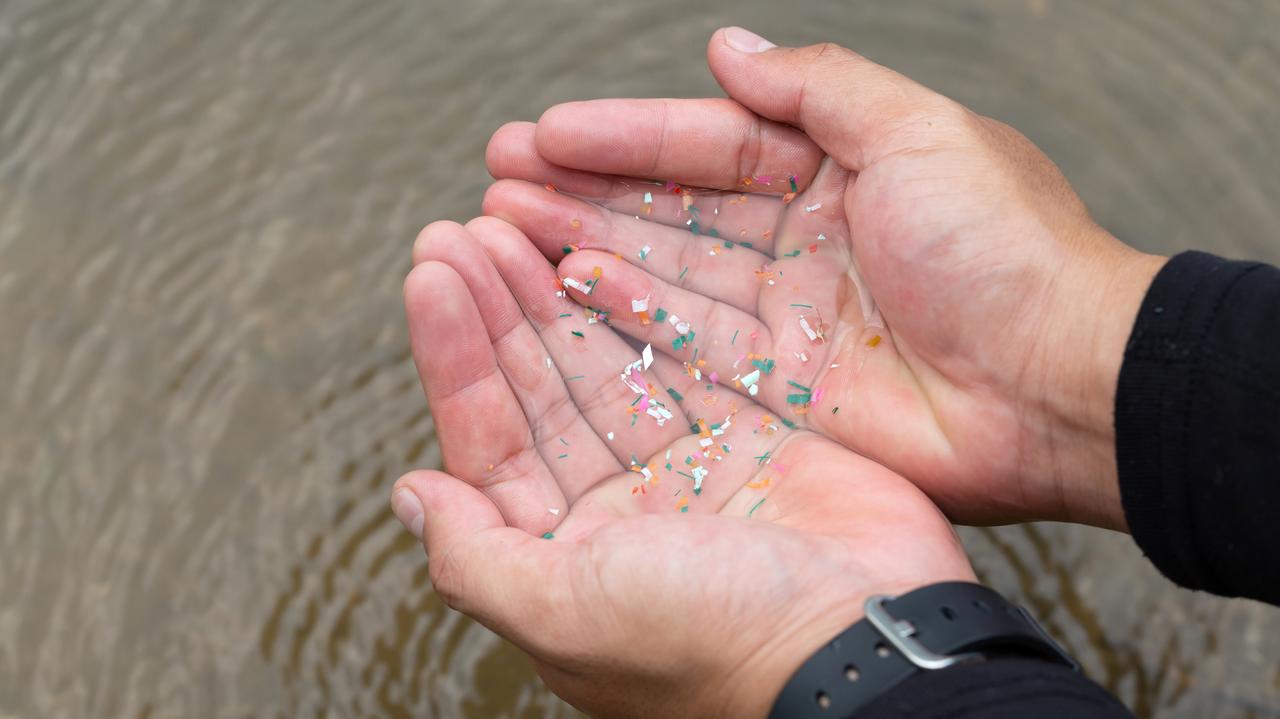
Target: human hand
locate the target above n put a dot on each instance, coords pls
(649, 599)
(976, 346)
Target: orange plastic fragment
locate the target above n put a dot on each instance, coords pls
(873, 341)
(575, 223)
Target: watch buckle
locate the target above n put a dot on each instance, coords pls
(901, 634)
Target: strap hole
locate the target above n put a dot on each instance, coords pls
(882, 650)
(823, 701)
(982, 606)
(948, 613)
(851, 673)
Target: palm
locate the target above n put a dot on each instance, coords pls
(918, 394)
(556, 451)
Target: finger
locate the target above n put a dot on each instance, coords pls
(706, 143)
(731, 347)
(593, 360)
(707, 265)
(571, 449)
(854, 109)
(506, 579)
(484, 436)
(745, 218)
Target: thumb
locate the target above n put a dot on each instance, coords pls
(855, 110)
(501, 576)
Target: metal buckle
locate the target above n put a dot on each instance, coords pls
(901, 634)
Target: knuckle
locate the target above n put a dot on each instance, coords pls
(447, 574)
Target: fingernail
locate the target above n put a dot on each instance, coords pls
(408, 510)
(744, 40)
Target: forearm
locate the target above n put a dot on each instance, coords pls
(997, 689)
(1197, 418)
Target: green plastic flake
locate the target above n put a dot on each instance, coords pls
(764, 457)
(756, 506)
(793, 184)
(695, 228)
(728, 244)
(548, 535)
(797, 304)
(565, 314)
(745, 244)
(660, 315)
(793, 253)
(797, 385)
(683, 272)
(576, 376)
(765, 366)
(684, 509)
(713, 233)
(735, 336)
(674, 394)
(567, 249)
(798, 398)
(834, 410)
(789, 423)
(577, 334)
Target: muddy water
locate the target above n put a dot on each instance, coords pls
(205, 392)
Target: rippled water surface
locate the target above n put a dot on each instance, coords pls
(206, 210)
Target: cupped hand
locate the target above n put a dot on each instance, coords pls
(924, 273)
(659, 545)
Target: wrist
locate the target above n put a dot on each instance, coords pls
(763, 675)
(934, 628)
(1085, 351)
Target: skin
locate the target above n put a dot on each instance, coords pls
(1002, 312)
(633, 608)
(1002, 308)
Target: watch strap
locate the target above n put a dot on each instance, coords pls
(926, 629)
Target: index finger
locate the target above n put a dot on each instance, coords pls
(714, 143)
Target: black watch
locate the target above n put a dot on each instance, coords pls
(929, 628)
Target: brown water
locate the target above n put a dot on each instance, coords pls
(206, 210)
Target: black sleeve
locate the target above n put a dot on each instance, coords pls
(1197, 420)
(998, 689)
